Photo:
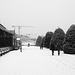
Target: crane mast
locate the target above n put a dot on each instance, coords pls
(19, 28)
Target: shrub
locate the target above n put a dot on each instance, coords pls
(38, 41)
(42, 42)
(69, 46)
(57, 39)
(68, 49)
(47, 39)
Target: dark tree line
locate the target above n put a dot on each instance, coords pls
(59, 40)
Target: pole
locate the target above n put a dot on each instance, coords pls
(19, 27)
(14, 38)
(19, 30)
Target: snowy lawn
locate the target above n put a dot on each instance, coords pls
(33, 61)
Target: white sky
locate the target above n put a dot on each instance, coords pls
(45, 15)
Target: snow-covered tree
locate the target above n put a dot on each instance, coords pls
(47, 39)
(42, 44)
(38, 41)
(57, 39)
(69, 46)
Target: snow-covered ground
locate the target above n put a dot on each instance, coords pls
(33, 61)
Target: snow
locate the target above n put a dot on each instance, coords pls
(33, 61)
(26, 43)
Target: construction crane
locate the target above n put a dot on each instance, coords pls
(19, 27)
(30, 34)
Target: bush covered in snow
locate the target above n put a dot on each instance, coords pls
(48, 37)
(38, 41)
(69, 46)
(42, 42)
(57, 39)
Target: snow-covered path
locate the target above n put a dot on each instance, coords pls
(33, 61)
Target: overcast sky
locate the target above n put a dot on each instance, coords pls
(45, 15)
